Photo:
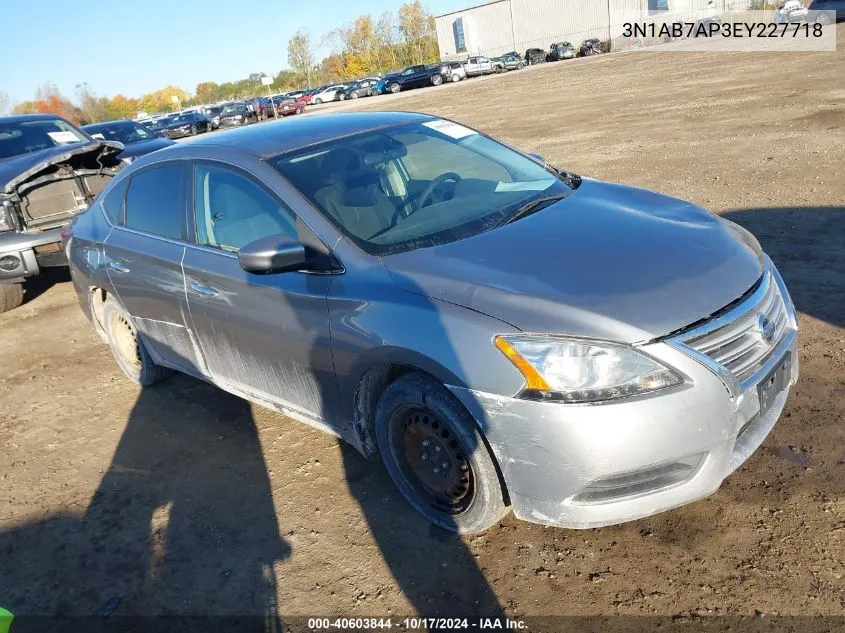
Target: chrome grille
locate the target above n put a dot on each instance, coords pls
(742, 340)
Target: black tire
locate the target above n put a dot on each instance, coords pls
(416, 415)
(11, 296)
(394, 88)
(436, 80)
(121, 335)
(341, 97)
(354, 95)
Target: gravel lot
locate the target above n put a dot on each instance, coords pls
(182, 499)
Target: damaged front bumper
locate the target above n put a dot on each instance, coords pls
(23, 254)
(591, 465)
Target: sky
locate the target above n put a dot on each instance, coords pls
(132, 47)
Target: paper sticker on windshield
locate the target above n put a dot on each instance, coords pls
(450, 129)
(63, 137)
(98, 135)
(529, 185)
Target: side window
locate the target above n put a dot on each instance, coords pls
(154, 201)
(230, 210)
(113, 202)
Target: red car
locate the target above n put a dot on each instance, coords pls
(286, 106)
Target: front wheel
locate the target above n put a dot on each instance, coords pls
(318, 101)
(11, 296)
(341, 97)
(456, 78)
(520, 66)
(354, 95)
(128, 348)
(436, 457)
(394, 88)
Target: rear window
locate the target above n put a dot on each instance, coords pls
(154, 201)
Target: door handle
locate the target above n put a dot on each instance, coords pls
(203, 290)
(118, 266)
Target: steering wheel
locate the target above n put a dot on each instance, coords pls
(426, 194)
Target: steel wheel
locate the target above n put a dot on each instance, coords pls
(433, 461)
(125, 341)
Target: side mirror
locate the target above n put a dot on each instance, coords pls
(273, 254)
(538, 157)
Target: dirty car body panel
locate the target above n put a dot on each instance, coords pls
(595, 266)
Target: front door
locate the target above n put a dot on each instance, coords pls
(264, 336)
(144, 263)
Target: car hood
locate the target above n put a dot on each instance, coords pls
(19, 169)
(609, 262)
(145, 147)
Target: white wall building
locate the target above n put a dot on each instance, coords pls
(500, 26)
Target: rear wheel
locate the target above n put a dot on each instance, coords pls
(823, 19)
(318, 101)
(520, 66)
(11, 296)
(128, 348)
(341, 97)
(354, 95)
(456, 78)
(436, 456)
(394, 88)
(436, 80)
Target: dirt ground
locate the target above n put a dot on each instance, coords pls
(182, 499)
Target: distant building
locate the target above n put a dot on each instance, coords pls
(499, 26)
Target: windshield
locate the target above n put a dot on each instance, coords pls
(127, 132)
(416, 185)
(233, 109)
(188, 117)
(23, 137)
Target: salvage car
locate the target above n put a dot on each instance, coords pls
(535, 56)
(137, 139)
(49, 171)
(418, 77)
(357, 89)
(479, 65)
(504, 334)
(328, 94)
(186, 124)
(561, 50)
(508, 62)
(286, 106)
(237, 114)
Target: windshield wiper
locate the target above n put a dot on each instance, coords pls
(532, 206)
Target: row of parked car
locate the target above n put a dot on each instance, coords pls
(435, 74)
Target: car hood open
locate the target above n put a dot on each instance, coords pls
(609, 262)
(19, 169)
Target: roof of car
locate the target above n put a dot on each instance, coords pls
(95, 126)
(20, 118)
(273, 138)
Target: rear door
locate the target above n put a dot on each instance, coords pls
(265, 336)
(144, 262)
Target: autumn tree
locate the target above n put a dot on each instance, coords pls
(301, 54)
(419, 32)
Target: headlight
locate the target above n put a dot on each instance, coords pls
(5, 219)
(573, 370)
